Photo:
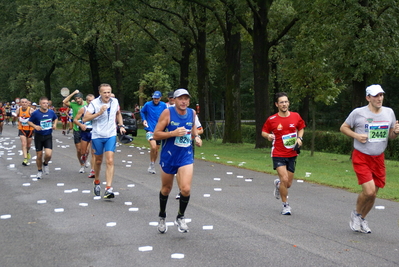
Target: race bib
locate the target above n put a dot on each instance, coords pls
(378, 132)
(183, 141)
(289, 140)
(46, 124)
(149, 136)
(24, 121)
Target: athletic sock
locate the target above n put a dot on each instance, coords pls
(96, 181)
(162, 205)
(183, 202)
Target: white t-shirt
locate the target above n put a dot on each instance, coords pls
(376, 126)
(104, 126)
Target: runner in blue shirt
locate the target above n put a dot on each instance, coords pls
(150, 114)
(44, 121)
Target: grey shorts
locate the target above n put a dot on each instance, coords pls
(76, 137)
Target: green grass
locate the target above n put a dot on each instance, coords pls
(327, 169)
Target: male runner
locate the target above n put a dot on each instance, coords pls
(103, 112)
(150, 114)
(75, 106)
(64, 110)
(176, 155)
(2, 117)
(14, 108)
(25, 131)
(44, 121)
(285, 129)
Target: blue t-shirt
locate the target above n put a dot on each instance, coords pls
(151, 113)
(44, 120)
(177, 150)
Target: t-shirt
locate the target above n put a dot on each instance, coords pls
(104, 126)
(376, 126)
(151, 113)
(44, 120)
(63, 111)
(75, 108)
(285, 130)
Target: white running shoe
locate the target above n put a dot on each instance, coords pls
(46, 170)
(181, 225)
(151, 169)
(82, 169)
(87, 164)
(39, 175)
(277, 188)
(286, 209)
(162, 227)
(355, 222)
(365, 226)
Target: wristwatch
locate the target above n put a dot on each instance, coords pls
(122, 126)
(300, 138)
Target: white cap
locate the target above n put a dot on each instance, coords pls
(34, 104)
(180, 92)
(12, 102)
(374, 90)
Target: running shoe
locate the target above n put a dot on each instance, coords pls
(68, 131)
(108, 194)
(28, 156)
(46, 169)
(87, 164)
(277, 188)
(92, 174)
(25, 162)
(364, 226)
(97, 189)
(355, 222)
(181, 225)
(39, 175)
(82, 169)
(286, 209)
(151, 169)
(63, 132)
(162, 227)
(178, 195)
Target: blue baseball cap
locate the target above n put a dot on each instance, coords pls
(157, 94)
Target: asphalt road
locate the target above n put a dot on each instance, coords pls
(235, 219)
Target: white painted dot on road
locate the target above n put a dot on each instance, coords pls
(83, 204)
(86, 191)
(129, 156)
(217, 189)
(133, 209)
(380, 207)
(130, 185)
(216, 179)
(207, 227)
(229, 172)
(141, 153)
(75, 190)
(240, 176)
(59, 210)
(128, 166)
(57, 169)
(248, 180)
(68, 191)
(42, 201)
(300, 181)
(177, 256)
(5, 216)
(145, 248)
(153, 223)
(111, 224)
(26, 184)
(60, 184)
(97, 197)
(128, 203)
(207, 195)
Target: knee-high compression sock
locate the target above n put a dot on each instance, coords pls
(162, 205)
(183, 202)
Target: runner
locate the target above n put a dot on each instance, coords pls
(70, 119)
(103, 112)
(44, 121)
(7, 108)
(86, 129)
(25, 131)
(64, 110)
(176, 155)
(14, 108)
(150, 114)
(285, 129)
(2, 117)
(75, 106)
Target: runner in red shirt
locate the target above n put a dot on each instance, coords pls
(285, 129)
(64, 110)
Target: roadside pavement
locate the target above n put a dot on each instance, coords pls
(234, 218)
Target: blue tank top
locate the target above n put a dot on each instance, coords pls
(177, 151)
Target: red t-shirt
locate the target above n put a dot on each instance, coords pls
(285, 131)
(63, 111)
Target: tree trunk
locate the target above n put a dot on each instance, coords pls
(261, 69)
(232, 132)
(47, 81)
(184, 64)
(91, 49)
(359, 93)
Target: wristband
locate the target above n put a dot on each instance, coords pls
(300, 138)
(122, 126)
